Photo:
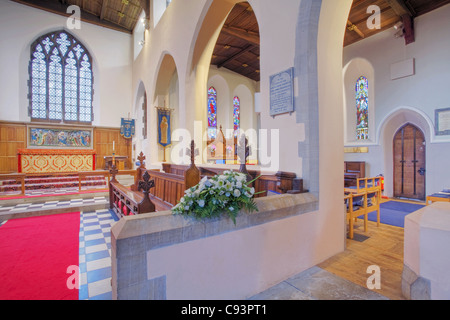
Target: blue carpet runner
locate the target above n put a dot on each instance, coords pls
(394, 212)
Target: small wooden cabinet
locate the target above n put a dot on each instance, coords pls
(353, 170)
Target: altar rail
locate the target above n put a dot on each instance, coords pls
(21, 177)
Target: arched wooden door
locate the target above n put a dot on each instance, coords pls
(409, 163)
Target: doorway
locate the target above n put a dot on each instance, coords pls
(409, 163)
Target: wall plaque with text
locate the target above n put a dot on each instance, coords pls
(282, 92)
(442, 122)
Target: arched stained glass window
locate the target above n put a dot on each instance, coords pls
(61, 79)
(362, 108)
(236, 115)
(212, 113)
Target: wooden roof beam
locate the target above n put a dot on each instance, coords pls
(407, 18)
(399, 7)
(237, 55)
(104, 8)
(243, 34)
(352, 27)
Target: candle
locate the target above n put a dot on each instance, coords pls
(113, 145)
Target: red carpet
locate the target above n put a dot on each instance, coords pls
(35, 253)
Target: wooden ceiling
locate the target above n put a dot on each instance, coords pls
(392, 12)
(237, 47)
(121, 15)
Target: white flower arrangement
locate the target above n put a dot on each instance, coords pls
(226, 193)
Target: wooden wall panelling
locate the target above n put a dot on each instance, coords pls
(103, 144)
(13, 136)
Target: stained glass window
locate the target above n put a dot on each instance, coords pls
(212, 113)
(362, 108)
(61, 79)
(236, 115)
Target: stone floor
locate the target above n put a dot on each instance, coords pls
(317, 284)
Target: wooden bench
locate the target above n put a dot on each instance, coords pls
(124, 201)
(443, 196)
(280, 182)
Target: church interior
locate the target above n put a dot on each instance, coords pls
(332, 116)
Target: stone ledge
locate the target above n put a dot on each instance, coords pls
(163, 228)
(132, 237)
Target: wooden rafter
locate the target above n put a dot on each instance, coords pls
(104, 8)
(246, 35)
(352, 27)
(237, 55)
(399, 7)
(407, 18)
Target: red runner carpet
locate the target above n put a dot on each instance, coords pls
(35, 254)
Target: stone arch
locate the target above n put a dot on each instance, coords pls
(140, 139)
(389, 126)
(352, 71)
(224, 99)
(166, 94)
(207, 32)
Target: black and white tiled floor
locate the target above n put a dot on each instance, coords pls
(52, 204)
(95, 255)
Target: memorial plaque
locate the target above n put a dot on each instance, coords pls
(443, 122)
(282, 92)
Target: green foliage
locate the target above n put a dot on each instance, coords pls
(227, 193)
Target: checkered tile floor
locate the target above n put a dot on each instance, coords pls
(52, 204)
(54, 191)
(95, 255)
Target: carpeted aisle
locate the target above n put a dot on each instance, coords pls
(35, 254)
(394, 212)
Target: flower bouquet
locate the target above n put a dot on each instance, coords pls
(226, 193)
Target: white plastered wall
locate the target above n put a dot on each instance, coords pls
(312, 237)
(111, 52)
(410, 99)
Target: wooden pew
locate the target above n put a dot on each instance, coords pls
(442, 196)
(125, 202)
(280, 182)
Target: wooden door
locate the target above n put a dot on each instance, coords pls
(409, 163)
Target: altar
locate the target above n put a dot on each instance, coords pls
(55, 160)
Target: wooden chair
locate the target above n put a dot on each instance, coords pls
(373, 202)
(372, 188)
(356, 206)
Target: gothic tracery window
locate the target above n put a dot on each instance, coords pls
(362, 108)
(61, 79)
